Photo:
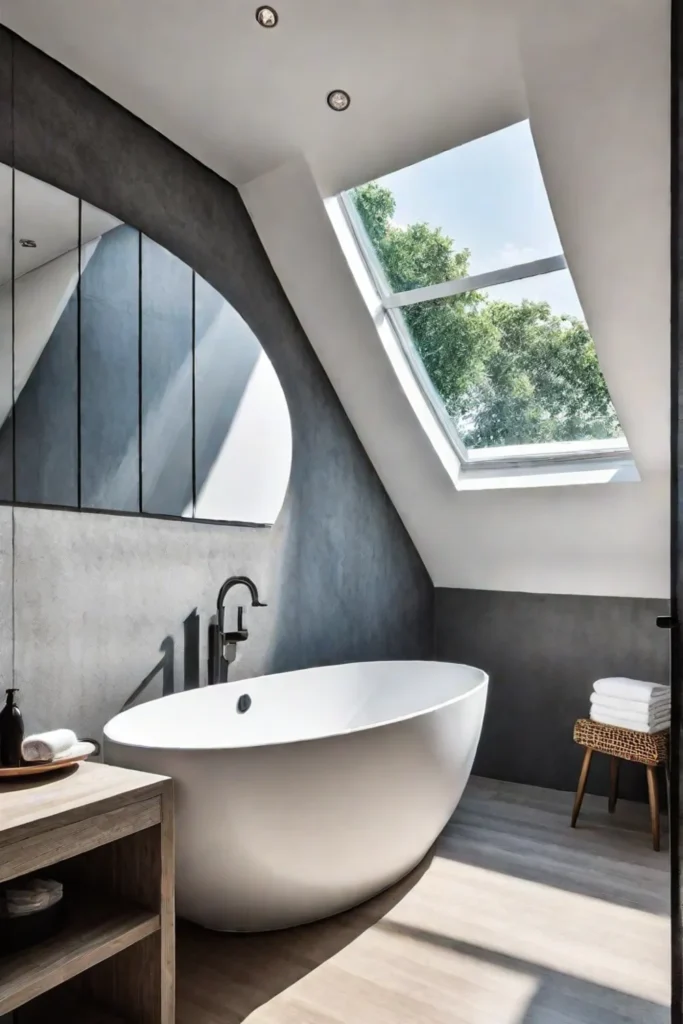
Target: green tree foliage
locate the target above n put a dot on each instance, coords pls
(508, 373)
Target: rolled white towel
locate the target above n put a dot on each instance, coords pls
(630, 689)
(82, 749)
(24, 898)
(644, 707)
(612, 718)
(46, 746)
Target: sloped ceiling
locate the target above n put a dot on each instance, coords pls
(593, 78)
(244, 99)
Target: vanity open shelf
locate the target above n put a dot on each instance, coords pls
(107, 834)
(66, 1009)
(94, 932)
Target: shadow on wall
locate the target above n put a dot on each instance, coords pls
(166, 665)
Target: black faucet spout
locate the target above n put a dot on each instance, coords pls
(235, 581)
(222, 645)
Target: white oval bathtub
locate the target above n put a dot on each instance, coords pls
(331, 787)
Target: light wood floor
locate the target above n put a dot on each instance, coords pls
(513, 919)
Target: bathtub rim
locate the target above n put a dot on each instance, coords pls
(189, 749)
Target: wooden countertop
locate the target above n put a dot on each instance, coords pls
(64, 796)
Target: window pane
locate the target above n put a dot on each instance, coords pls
(514, 364)
(479, 207)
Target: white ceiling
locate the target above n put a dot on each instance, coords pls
(423, 75)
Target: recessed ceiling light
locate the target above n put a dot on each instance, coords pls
(28, 243)
(267, 17)
(338, 99)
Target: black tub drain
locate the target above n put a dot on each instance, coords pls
(243, 703)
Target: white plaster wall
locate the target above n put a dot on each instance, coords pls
(598, 97)
(610, 540)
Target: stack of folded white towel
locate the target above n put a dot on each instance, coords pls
(57, 745)
(631, 704)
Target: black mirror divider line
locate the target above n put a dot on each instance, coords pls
(676, 553)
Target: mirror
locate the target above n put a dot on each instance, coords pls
(109, 345)
(6, 368)
(167, 382)
(243, 437)
(132, 385)
(45, 343)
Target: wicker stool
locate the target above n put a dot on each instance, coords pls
(650, 749)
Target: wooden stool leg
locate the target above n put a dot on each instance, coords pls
(653, 794)
(667, 778)
(583, 778)
(613, 783)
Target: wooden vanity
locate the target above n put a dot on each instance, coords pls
(107, 834)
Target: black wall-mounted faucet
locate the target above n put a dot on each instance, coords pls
(222, 644)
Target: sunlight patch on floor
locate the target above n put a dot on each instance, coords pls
(593, 940)
(466, 990)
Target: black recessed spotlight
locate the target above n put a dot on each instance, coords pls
(267, 17)
(338, 99)
(28, 243)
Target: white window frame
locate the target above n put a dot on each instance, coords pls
(611, 456)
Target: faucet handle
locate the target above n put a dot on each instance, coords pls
(241, 633)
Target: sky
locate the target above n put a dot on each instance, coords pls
(489, 197)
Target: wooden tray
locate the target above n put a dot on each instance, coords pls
(39, 769)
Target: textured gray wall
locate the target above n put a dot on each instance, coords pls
(543, 653)
(5, 598)
(100, 599)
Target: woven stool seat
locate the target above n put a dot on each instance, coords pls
(643, 747)
(648, 749)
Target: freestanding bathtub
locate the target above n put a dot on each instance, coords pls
(329, 788)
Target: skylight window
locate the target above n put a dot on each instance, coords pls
(467, 260)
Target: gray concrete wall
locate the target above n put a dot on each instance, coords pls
(102, 600)
(5, 598)
(543, 652)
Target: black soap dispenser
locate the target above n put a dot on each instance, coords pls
(11, 733)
